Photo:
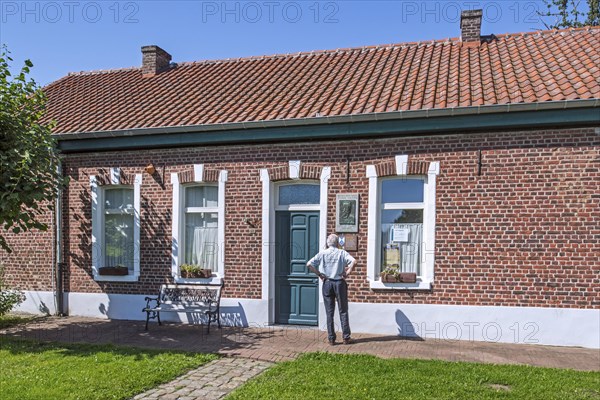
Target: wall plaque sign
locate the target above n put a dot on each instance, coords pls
(349, 241)
(346, 215)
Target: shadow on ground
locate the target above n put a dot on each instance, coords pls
(280, 343)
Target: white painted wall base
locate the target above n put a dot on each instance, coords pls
(234, 312)
(528, 325)
(40, 303)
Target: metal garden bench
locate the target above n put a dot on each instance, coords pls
(204, 299)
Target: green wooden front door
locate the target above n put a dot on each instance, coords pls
(296, 288)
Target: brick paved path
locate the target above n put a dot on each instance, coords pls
(211, 381)
(275, 344)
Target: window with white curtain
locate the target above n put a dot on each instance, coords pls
(119, 244)
(116, 227)
(401, 223)
(200, 226)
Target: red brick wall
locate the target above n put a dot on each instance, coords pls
(29, 266)
(524, 233)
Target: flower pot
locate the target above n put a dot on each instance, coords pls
(408, 277)
(190, 274)
(404, 277)
(203, 273)
(206, 273)
(118, 271)
(389, 278)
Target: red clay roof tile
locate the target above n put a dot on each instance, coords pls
(523, 68)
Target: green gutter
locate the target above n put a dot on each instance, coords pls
(469, 119)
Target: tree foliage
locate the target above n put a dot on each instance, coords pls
(571, 13)
(9, 298)
(29, 179)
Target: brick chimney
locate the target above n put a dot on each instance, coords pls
(470, 27)
(154, 60)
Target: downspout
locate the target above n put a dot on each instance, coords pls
(58, 256)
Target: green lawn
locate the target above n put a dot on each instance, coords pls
(323, 376)
(36, 370)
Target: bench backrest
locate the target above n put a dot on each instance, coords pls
(190, 294)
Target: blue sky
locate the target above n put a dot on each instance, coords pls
(68, 36)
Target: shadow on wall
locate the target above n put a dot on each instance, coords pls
(117, 307)
(44, 308)
(36, 303)
(103, 309)
(155, 229)
(233, 316)
(77, 218)
(154, 235)
(155, 239)
(406, 328)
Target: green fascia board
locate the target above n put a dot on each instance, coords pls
(341, 131)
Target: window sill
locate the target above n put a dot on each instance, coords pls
(400, 286)
(116, 278)
(214, 280)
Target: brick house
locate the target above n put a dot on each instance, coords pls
(472, 163)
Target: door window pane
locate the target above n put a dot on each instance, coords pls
(402, 191)
(299, 194)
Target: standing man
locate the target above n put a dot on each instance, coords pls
(334, 266)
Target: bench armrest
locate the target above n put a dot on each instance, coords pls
(156, 300)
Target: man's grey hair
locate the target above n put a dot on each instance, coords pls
(333, 240)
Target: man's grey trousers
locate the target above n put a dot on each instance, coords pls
(336, 290)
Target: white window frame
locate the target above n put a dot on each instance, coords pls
(98, 212)
(178, 224)
(426, 278)
(194, 210)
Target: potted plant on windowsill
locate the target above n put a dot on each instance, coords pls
(392, 274)
(117, 270)
(194, 271)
